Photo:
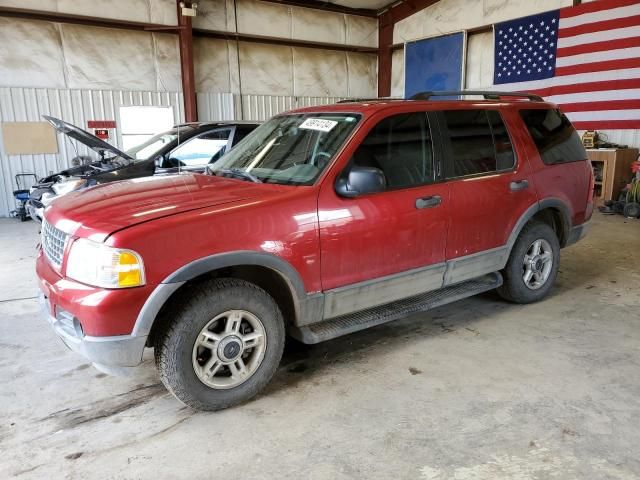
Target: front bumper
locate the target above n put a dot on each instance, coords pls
(105, 352)
(96, 323)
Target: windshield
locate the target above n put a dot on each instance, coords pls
(149, 148)
(288, 149)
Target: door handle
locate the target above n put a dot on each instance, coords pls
(429, 202)
(518, 185)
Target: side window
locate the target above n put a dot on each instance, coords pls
(241, 132)
(401, 147)
(555, 137)
(479, 142)
(200, 150)
(505, 157)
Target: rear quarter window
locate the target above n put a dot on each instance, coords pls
(555, 137)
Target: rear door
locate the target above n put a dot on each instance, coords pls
(379, 247)
(491, 187)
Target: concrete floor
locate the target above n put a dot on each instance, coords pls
(477, 390)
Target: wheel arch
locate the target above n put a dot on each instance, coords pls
(552, 211)
(273, 274)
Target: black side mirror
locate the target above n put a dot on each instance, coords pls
(360, 181)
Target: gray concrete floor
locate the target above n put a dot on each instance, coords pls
(478, 390)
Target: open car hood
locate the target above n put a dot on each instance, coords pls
(91, 141)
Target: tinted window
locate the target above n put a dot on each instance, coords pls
(241, 132)
(479, 142)
(401, 147)
(555, 137)
(505, 159)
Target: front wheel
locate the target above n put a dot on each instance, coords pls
(533, 265)
(222, 345)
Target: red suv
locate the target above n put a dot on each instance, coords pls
(323, 221)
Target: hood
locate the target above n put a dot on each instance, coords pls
(99, 211)
(91, 141)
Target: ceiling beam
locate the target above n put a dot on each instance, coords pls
(288, 42)
(327, 6)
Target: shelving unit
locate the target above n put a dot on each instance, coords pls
(612, 171)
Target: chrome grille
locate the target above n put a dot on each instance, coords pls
(53, 243)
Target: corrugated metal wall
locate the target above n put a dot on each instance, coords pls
(262, 107)
(75, 106)
(78, 106)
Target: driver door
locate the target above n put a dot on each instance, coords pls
(197, 152)
(384, 246)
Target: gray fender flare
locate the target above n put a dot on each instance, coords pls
(556, 203)
(175, 280)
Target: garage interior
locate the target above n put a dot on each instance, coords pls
(478, 389)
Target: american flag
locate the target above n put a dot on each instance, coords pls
(585, 58)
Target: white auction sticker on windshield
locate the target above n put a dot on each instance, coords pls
(318, 124)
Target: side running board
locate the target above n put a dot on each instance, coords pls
(353, 322)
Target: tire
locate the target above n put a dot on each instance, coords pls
(514, 288)
(183, 366)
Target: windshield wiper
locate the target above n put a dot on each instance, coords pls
(238, 173)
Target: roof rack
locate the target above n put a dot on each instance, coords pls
(487, 94)
(355, 100)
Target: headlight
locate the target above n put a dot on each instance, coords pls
(65, 187)
(103, 266)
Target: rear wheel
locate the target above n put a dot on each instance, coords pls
(222, 345)
(533, 265)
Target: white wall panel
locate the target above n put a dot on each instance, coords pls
(264, 18)
(215, 15)
(167, 62)
(49, 55)
(447, 16)
(30, 54)
(75, 106)
(212, 59)
(318, 72)
(266, 69)
(397, 73)
(361, 31)
(147, 11)
(282, 70)
(479, 66)
(93, 63)
(362, 75)
(314, 25)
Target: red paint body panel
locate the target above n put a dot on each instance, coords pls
(329, 240)
(484, 211)
(101, 312)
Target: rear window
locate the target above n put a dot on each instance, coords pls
(555, 137)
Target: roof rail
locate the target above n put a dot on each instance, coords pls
(355, 100)
(487, 94)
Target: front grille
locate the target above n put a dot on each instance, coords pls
(53, 243)
(37, 203)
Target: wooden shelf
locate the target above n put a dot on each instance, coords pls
(614, 166)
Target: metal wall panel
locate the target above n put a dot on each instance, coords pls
(262, 107)
(74, 106)
(214, 107)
